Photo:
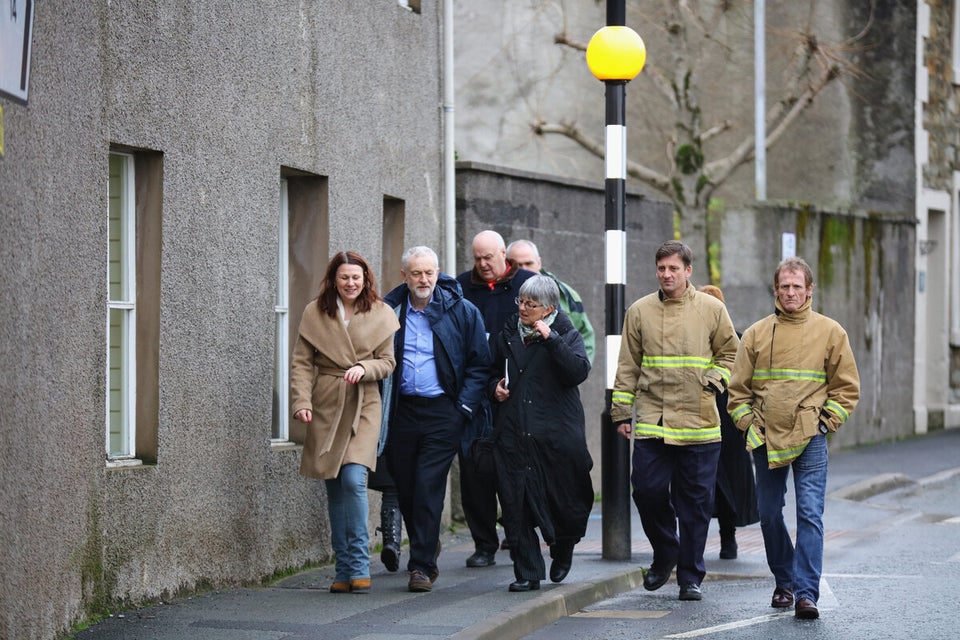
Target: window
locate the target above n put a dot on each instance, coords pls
(392, 241)
(303, 235)
(122, 311)
(133, 306)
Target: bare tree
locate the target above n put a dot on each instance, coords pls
(692, 177)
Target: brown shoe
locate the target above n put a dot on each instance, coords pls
(806, 609)
(782, 598)
(360, 585)
(340, 587)
(419, 582)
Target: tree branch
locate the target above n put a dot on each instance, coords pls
(641, 172)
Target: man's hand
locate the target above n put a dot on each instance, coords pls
(623, 428)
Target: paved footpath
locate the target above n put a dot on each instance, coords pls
(474, 603)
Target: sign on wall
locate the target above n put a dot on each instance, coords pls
(16, 30)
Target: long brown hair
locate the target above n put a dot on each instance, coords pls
(327, 298)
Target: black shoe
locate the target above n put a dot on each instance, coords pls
(728, 545)
(690, 592)
(806, 609)
(653, 579)
(524, 585)
(481, 559)
(390, 556)
(562, 554)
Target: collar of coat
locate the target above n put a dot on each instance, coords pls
(688, 294)
(800, 315)
(446, 295)
(507, 276)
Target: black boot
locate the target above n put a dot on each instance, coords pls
(728, 543)
(562, 554)
(390, 526)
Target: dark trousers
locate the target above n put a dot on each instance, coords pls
(478, 496)
(424, 437)
(692, 469)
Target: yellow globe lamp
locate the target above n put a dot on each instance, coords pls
(616, 53)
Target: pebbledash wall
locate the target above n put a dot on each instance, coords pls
(861, 264)
(219, 100)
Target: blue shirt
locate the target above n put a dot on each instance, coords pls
(418, 376)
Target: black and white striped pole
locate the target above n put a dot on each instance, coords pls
(615, 55)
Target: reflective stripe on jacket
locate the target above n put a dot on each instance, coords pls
(792, 372)
(675, 354)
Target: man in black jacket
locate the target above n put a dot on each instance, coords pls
(493, 286)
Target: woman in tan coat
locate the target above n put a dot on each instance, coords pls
(345, 345)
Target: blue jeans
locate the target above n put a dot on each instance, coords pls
(347, 506)
(794, 568)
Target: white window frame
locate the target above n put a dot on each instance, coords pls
(956, 42)
(127, 305)
(281, 310)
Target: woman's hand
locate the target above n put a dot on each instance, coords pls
(501, 393)
(543, 328)
(304, 415)
(354, 374)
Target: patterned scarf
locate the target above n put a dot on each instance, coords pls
(529, 334)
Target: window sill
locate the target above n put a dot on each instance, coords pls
(284, 445)
(123, 463)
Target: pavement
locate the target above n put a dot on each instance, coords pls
(475, 604)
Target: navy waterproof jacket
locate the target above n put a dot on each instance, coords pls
(461, 352)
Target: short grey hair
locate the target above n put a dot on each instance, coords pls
(416, 252)
(541, 289)
(522, 242)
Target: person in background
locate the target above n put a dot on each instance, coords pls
(735, 498)
(527, 256)
(794, 381)
(676, 353)
(492, 286)
(344, 346)
(438, 387)
(543, 465)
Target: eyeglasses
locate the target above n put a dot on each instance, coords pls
(526, 303)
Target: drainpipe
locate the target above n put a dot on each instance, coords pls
(449, 176)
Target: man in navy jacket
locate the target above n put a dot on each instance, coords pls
(433, 399)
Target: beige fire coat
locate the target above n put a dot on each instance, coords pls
(675, 354)
(793, 372)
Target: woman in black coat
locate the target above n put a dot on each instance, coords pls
(543, 465)
(735, 502)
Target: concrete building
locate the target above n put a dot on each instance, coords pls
(169, 192)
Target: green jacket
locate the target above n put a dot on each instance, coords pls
(572, 305)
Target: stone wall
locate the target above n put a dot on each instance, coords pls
(565, 218)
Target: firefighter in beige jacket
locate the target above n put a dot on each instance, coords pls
(677, 350)
(794, 381)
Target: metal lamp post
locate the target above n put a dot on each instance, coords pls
(615, 55)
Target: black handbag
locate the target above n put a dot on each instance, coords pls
(482, 457)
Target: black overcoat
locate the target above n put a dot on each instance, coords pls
(736, 486)
(541, 450)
